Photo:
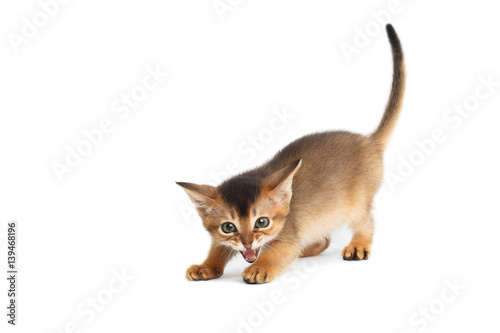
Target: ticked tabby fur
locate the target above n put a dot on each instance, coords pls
(287, 208)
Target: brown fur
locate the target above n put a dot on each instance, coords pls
(310, 188)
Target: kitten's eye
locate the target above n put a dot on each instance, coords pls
(262, 222)
(228, 227)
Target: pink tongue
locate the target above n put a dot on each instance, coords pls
(250, 255)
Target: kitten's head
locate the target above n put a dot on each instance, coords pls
(245, 212)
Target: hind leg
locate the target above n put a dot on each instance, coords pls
(359, 248)
(315, 248)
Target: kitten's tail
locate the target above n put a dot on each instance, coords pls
(393, 108)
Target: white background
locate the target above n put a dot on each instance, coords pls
(120, 208)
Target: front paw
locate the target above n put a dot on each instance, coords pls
(202, 273)
(257, 275)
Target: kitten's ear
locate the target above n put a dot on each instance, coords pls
(279, 184)
(203, 196)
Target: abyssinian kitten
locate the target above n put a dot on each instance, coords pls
(287, 208)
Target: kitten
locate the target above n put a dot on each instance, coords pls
(288, 207)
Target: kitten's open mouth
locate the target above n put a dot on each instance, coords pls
(250, 255)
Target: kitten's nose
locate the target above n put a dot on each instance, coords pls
(247, 240)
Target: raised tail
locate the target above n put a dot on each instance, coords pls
(393, 108)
